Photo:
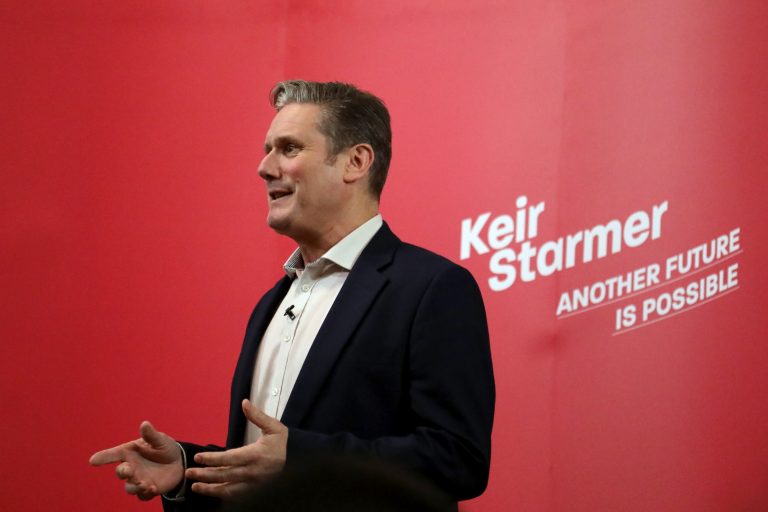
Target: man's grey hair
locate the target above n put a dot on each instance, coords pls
(350, 116)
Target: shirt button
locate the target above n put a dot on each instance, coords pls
(287, 338)
(305, 287)
(274, 391)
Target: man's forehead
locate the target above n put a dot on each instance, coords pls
(294, 118)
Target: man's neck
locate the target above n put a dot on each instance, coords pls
(313, 248)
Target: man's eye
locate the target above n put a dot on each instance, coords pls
(290, 148)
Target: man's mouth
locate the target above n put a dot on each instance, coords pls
(277, 194)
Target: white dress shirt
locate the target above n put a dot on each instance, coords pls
(296, 322)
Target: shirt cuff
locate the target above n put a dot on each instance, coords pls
(179, 495)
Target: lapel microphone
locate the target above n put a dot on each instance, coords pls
(289, 312)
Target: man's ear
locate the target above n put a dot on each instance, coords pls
(359, 161)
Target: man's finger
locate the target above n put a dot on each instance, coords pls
(140, 488)
(225, 491)
(219, 474)
(146, 496)
(209, 489)
(232, 457)
(108, 456)
(124, 471)
(266, 423)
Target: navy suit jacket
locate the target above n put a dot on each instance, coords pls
(400, 369)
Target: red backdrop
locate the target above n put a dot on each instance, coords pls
(134, 242)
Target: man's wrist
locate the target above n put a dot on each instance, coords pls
(177, 493)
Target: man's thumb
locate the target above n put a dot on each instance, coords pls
(266, 423)
(149, 434)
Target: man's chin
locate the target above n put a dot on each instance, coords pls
(280, 225)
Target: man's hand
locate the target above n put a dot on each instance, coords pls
(151, 465)
(233, 473)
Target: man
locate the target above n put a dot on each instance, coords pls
(367, 346)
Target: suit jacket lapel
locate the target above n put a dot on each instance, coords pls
(352, 304)
(241, 382)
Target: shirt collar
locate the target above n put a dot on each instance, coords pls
(344, 253)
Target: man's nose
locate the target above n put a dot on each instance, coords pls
(268, 167)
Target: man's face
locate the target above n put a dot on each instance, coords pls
(305, 190)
